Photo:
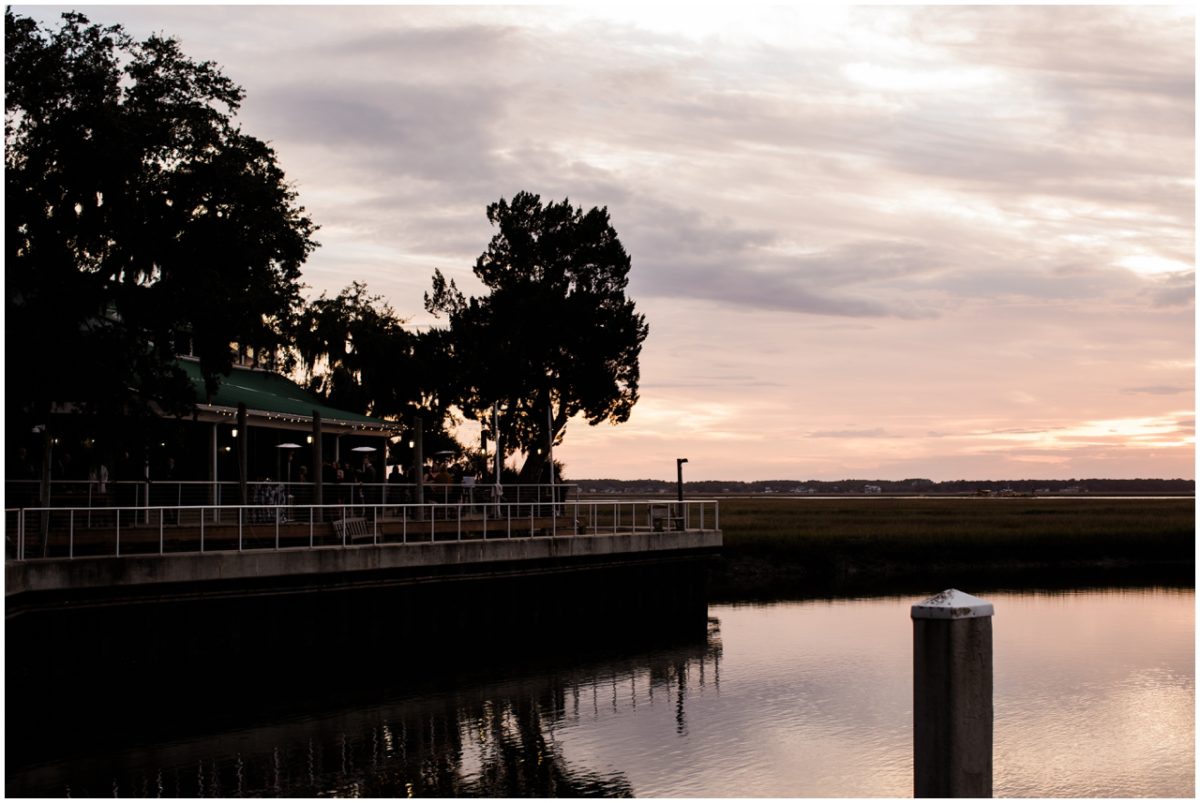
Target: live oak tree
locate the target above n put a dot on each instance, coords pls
(348, 347)
(555, 337)
(137, 210)
(355, 352)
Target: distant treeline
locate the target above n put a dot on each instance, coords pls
(908, 486)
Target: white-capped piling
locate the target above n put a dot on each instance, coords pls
(952, 696)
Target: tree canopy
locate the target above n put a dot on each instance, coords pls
(355, 353)
(142, 222)
(556, 332)
(137, 210)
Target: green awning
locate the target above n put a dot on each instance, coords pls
(276, 397)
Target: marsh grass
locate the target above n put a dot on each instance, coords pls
(833, 540)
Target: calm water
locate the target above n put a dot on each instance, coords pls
(1094, 697)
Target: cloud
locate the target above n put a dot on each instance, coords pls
(1173, 290)
(652, 116)
(883, 215)
(685, 254)
(716, 381)
(435, 48)
(392, 130)
(1158, 390)
(850, 433)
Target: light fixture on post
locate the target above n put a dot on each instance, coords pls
(289, 447)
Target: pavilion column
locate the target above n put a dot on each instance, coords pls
(242, 450)
(47, 459)
(419, 462)
(44, 484)
(318, 460)
(214, 495)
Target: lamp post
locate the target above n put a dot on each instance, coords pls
(679, 516)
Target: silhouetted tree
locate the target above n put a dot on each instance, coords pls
(348, 347)
(136, 211)
(356, 354)
(556, 331)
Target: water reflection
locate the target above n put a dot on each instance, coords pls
(484, 740)
(1094, 697)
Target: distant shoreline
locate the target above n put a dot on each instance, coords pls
(951, 495)
(777, 547)
(908, 488)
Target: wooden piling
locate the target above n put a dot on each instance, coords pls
(952, 696)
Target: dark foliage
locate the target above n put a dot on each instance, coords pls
(139, 218)
(556, 331)
(357, 355)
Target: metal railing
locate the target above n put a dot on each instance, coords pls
(70, 533)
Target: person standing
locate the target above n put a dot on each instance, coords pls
(98, 477)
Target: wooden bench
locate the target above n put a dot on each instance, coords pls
(661, 518)
(353, 530)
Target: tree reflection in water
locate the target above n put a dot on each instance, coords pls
(485, 739)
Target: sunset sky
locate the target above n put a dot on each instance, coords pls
(943, 242)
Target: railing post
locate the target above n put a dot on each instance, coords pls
(118, 531)
(460, 521)
(241, 516)
(952, 696)
(71, 538)
(162, 514)
(202, 512)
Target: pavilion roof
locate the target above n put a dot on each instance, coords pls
(272, 399)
